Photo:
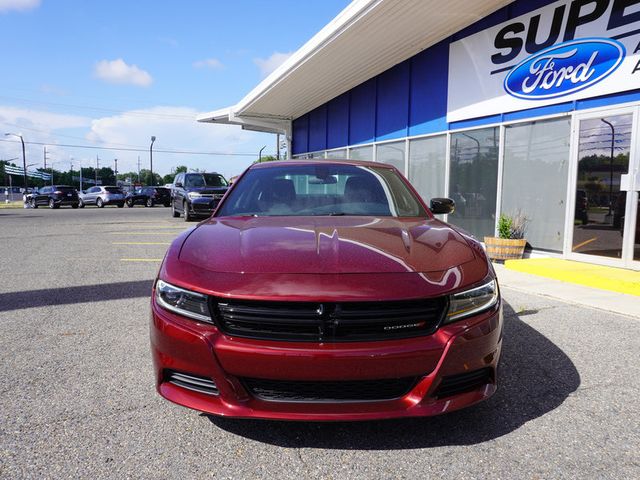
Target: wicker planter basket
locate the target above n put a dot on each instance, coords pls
(504, 248)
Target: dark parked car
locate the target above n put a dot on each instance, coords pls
(197, 194)
(326, 291)
(102, 196)
(582, 207)
(149, 196)
(54, 196)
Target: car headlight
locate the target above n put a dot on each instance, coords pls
(472, 301)
(184, 302)
(194, 194)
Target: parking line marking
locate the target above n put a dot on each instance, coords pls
(586, 242)
(145, 233)
(140, 259)
(140, 243)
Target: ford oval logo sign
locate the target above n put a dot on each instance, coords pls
(565, 68)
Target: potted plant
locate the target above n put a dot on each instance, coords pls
(510, 242)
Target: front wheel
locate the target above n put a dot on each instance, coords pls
(120, 205)
(99, 203)
(81, 204)
(149, 202)
(33, 203)
(52, 204)
(187, 215)
(130, 203)
(174, 212)
(75, 205)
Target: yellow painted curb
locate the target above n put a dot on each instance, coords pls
(605, 278)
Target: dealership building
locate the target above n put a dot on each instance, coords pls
(527, 107)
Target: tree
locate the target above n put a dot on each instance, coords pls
(181, 169)
(168, 178)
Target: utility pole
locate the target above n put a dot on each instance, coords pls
(153, 139)
(116, 171)
(97, 166)
(24, 158)
(277, 146)
(138, 168)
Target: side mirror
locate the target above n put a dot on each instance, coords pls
(442, 206)
(178, 185)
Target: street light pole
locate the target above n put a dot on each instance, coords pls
(609, 217)
(153, 139)
(24, 158)
(260, 154)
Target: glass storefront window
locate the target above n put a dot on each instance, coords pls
(534, 180)
(361, 153)
(473, 180)
(392, 153)
(337, 154)
(427, 159)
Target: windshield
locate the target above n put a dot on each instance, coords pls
(204, 180)
(303, 190)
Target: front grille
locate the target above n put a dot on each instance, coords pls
(323, 391)
(463, 382)
(191, 382)
(328, 322)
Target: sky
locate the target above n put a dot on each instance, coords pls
(110, 74)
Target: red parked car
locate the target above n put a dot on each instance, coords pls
(323, 290)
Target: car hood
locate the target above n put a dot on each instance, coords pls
(324, 245)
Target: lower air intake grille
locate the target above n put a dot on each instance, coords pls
(322, 391)
(464, 382)
(191, 382)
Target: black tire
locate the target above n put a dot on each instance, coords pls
(52, 204)
(33, 203)
(75, 205)
(120, 205)
(81, 204)
(167, 205)
(99, 203)
(187, 215)
(174, 212)
(149, 202)
(130, 203)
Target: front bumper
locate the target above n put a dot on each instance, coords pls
(203, 206)
(179, 344)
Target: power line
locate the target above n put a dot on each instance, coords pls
(94, 147)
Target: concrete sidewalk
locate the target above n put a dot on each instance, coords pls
(601, 299)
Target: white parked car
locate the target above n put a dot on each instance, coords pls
(101, 196)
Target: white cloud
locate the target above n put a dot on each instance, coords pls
(117, 71)
(176, 129)
(212, 63)
(18, 5)
(37, 126)
(268, 65)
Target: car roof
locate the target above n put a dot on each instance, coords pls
(357, 163)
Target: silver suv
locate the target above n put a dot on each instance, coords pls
(101, 196)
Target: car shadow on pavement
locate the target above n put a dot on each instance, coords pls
(535, 378)
(67, 295)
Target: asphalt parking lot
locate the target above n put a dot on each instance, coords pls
(77, 398)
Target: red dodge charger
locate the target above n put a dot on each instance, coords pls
(325, 290)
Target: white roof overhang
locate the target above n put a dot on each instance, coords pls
(365, 39)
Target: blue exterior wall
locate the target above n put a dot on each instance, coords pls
(411, 99)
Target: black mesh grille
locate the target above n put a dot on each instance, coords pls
(328, 322)
(464, 382)
(191, 382)
(343, 391)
